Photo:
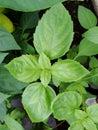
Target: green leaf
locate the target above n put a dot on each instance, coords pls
(87, 48)
(86, 17)
(68, 70)
(12, 124)
(64, 105)
(3, 111)
(79, 114)
(2, 56)
(44, 62)
(24, 68)
(92, 34)
(8, 83)
(93, 62)
(89, 124)
(7, 41)
(93, 77)
(76, 126)
(29, 20)
(28, 5)
(93, 112)
(37, 101)
(45, 77)
(54, 33)
(3, 97)
(3, 127)
(79, 87)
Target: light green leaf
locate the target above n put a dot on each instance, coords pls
(87, 48)
(54, 33)
(92, 34)
(28, 5)
(86, 17)
(79, 114)
(24, 68)
(76, 126)
(9, 84)
(44, 62)
(89, 124)
(37, 101)
(45, 77)
(93, 62)
(68, 70)
(3, 97)
(64, 105)
(3, 111)
(93, 112)
(7, 41)
(12, 124)
(2, 56)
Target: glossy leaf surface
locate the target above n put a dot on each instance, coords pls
(86, 17)
(68, 70)
(54, 33)
(24, 68)
(37, 101)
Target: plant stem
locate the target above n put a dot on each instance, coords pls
(58, 125)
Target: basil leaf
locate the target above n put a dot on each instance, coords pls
(65, 104)
(76, 126)
(92, 34)
(24, 68)
(89, 124)
(3, 97)
(3, 111)
(68, 70)
(28, 5)
(37, 100)
(7, 41)
(79, 114)
(54, 32)
(93, 112)
(87, 48)
(2, 56)
(11, 123)
(86, 17)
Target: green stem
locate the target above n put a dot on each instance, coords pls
(58, 125)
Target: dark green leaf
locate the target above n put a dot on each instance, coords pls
(29, 20)
(93, 62)
(3, 127)
(37, 101)
(68, 70)
(54, 33)
(7, 41)
(28, 5)
(2, 56)
(8, 83)
(3, 111)
(3, 97)
(24, 68)
(86, 17)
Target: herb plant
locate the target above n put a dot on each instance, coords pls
(50, 60)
